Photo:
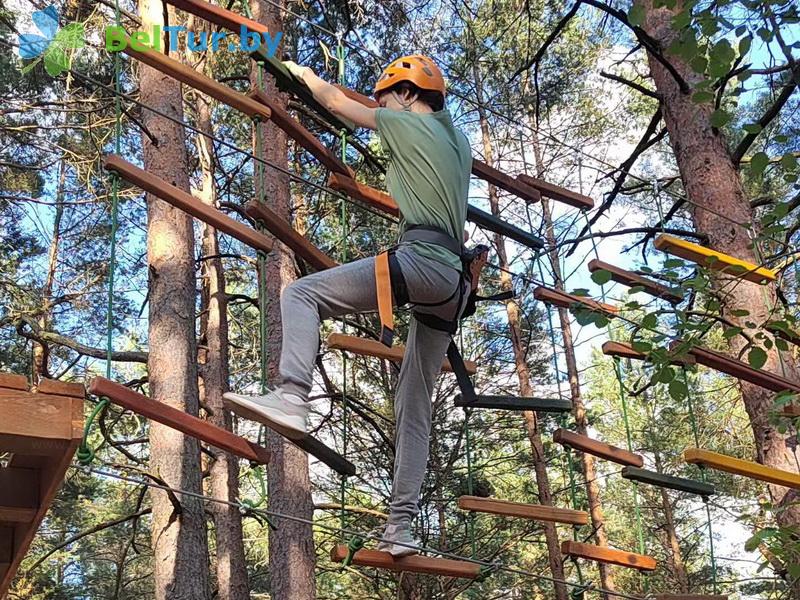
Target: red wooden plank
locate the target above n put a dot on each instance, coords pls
(556, 192)
(187, 203)
(625, 350)
(743, 371)
(498, 178)
(415, 563)
(635, 280)
(301, 135)
(595, 448)
(282, 230)
(565, 300)
(219, 16)
(368, 195)
(178, 420)
(608, 555)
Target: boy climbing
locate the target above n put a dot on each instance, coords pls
(428, 176)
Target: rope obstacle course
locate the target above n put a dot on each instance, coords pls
(258, 106)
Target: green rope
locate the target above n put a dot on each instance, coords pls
(696, 435)
(85, 453)
(355, 544)
(468, 449)
(340, 57)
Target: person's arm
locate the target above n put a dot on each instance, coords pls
(334, 99)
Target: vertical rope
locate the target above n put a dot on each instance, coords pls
(340, 58)
(468, 449)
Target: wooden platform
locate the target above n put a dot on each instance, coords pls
(556, 192)
(535, 512)
(413, 564)
(187, 203)
(711, 259)
(608, 555)
(740, 370)
(178, 420)
(737, 466)
(39, 433)
(505, 182)
(632, 279)
(500, 402)
(367, 347)
(680, 484)
(283, 230)
(595, 448)
(565, 300)
(305, 442)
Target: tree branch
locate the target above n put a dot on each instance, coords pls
(638, 87)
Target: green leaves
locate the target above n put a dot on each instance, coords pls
(57, 56)
(678, 390)
(720, 58)
(757, 357)
(720, 117)
(636, 15)
(758, 163)
(601, 277)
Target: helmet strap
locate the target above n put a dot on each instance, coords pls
(406, 104)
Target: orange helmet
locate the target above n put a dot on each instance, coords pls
(417, 69)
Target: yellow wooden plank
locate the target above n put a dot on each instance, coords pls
(738, 466)
(712, 259)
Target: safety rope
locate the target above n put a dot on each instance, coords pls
(85, 452)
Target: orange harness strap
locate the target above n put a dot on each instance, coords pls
(383, 286)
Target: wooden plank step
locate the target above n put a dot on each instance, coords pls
(737, 466)
(740, 370)
(535, 512)
(187, 203)
(505, 182)
(193, 78)
(301, 135)
(367, 347)
(632, 279)
(500, 402)
(414, 564)
(711, 259)
(283, 230)
(496, 225)
(178, 420)
(556, 192)
(690, 597)
(305, 442)
(565, 300)
(625, 350)
(608, 555)
(596, 448)
(680, 484)
(42, 429)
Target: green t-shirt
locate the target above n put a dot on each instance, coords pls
(428, 176)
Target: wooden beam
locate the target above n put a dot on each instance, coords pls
(496, 225)
(625, 350)
(608, 555)
(588, 445)
(680, 484)
(301, 135)
(690, 597)
(506, 182)
(414, 564)
(556, 192)
(534, 512)
(19, 494)
(565, 300)
(367, 347)
(189, 76)
(219, 16)
(187, 203)
(366, 194)
(305, 442)
(178, 420)
(283, 230)
(737, 466)
(632, 279)
(500, 402)
(739, 370)
(711, 259)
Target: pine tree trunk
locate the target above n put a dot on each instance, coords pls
(180, 547)
(523, 373)
(712, 184)
(678, 566)
(292, 556)
(223, 482)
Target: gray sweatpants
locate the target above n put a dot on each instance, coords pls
(348, 289)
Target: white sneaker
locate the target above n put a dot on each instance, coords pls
(283, 408)
(398, 533)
